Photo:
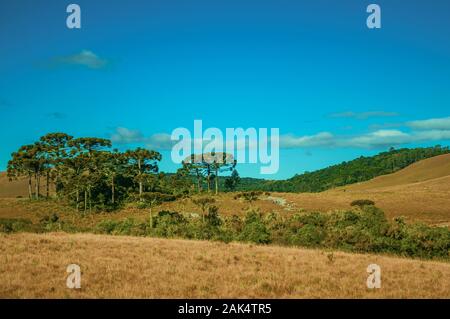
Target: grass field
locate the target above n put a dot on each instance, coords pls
(34, 266)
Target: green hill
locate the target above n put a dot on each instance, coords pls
(355, 171)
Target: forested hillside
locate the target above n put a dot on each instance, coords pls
(358, 170)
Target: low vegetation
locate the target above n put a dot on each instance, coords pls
(363, 229)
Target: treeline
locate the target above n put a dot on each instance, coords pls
(355, 171)
(90, 175)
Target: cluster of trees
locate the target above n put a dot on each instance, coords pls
(206, 168)
(87, 173)
(358, 170)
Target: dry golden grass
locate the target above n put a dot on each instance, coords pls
(34, 266)
(428, 169)
(18, 187)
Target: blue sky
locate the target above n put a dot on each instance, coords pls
(139, 69)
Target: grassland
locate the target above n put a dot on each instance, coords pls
(34, 266)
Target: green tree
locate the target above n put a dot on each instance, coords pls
(204, 203)
(142, 163)
(55, 146)
(232, 182)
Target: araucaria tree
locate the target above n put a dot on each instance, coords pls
(84, 171)
(208, 166)
(88, 175)
(142, 163)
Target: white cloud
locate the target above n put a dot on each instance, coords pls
(85, 58)
(320, 139)
(123, 135)
(160, 141)
(382, 138)
(431, 124)
(377, 139)
(374, 140)
(363, 115)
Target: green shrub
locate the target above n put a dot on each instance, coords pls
(254, 229)
(362, 202)
(169, 224)
(362, 230)
(107, 226)
(212, 218)
(13, 225)
(308, 236)
(128, 226)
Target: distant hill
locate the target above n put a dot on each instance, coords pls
(17, 188)
(419, 192)
(12, 189)
(434, 168)
(355, 171)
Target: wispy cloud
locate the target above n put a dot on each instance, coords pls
(84, 58)
(320, 139)
(123, 136)
(378, 139)
(431, 124)
(374, 140)
(161, 141)
(363, 115)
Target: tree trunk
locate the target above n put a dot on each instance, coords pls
(151, 217)
(48, 185)
(90, 200)
(199, 182)
(30, 192)
(217, 181)
(36, 186)
(78, 199)
(140, 180)
(85, 201)
(112, 190)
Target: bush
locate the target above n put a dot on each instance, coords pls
(362, 202)
(107, 226)
(169, 224)
(254, 229)
(129, 227)
(362, 230)
(308, 236)
(212, 218)
(12, 225)
(249, 196)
